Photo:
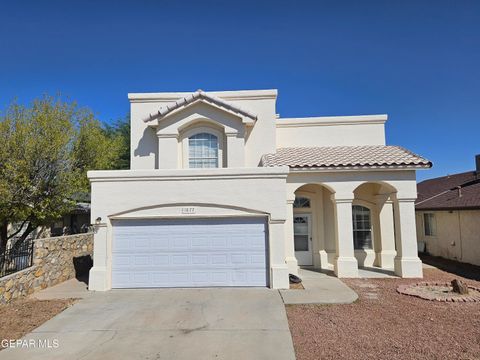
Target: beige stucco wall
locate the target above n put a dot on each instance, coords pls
(331, 131)
(323, 225)
(159, 184)
(374, 189)
(457, 236)
(164, 193)
(244, 144)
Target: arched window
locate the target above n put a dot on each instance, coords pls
(203, 151)
(362, 227)
(301, 202)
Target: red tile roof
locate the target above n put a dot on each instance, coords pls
(458, 191)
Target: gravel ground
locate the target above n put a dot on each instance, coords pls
(22, 316)
(384, 324)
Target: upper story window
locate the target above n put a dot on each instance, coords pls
(362, 227)
(301, 203)
(429, 224)
(203, 151)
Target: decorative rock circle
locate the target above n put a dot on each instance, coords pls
(439, 291)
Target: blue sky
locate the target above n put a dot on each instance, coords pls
(418, 61)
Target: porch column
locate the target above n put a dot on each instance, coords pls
(345, 262)
(386, 251)
(290, 258)
(407, 262)
(97, 279)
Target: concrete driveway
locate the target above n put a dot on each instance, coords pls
(224, 323)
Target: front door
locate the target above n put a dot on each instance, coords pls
(302, 234)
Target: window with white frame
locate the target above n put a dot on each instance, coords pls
(362, 227)
(429, 224)
(203, 151)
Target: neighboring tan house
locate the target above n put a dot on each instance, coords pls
(223, 192)
(448, 216)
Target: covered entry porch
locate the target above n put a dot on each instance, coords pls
(344, 220)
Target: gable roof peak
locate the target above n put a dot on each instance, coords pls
(202, 95)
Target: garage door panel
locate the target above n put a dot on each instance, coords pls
(199, 260)
(179, 253)
(141, 260)
(160, 259)
(189, 279)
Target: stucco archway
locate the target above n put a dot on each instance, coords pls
(373, 224)
(310, 228)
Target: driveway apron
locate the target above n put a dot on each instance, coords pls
(223, 323)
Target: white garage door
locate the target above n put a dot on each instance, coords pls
(189, 253)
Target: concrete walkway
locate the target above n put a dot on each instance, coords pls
(214, 323)
(320, 288)
(70, 289)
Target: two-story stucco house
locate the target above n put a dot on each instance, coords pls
(223, 192)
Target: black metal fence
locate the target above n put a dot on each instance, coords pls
(16, 257)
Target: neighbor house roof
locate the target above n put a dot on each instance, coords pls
(81, 208)
(458, 191)
(345, 157)
(200, 95)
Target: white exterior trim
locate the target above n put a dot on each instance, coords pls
(187, 174)
(227, 95)
(331, 121)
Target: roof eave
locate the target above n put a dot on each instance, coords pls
(356, 168)
(447, 208)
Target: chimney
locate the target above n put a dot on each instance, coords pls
(477, 163)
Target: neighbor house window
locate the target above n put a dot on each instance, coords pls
(203, 151)
(301, 203)
(362, 227)
(429, 224)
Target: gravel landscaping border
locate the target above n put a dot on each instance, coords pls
(383, 324)
(433, 291)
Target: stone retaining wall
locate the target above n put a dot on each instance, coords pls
(55, 260)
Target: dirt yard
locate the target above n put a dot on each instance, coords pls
(22, 316)
(384, 324)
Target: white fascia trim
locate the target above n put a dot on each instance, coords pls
(188, 174)
(226, 95)
(332, 120)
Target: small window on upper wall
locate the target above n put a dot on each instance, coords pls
(429, 225)
(301, 203)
